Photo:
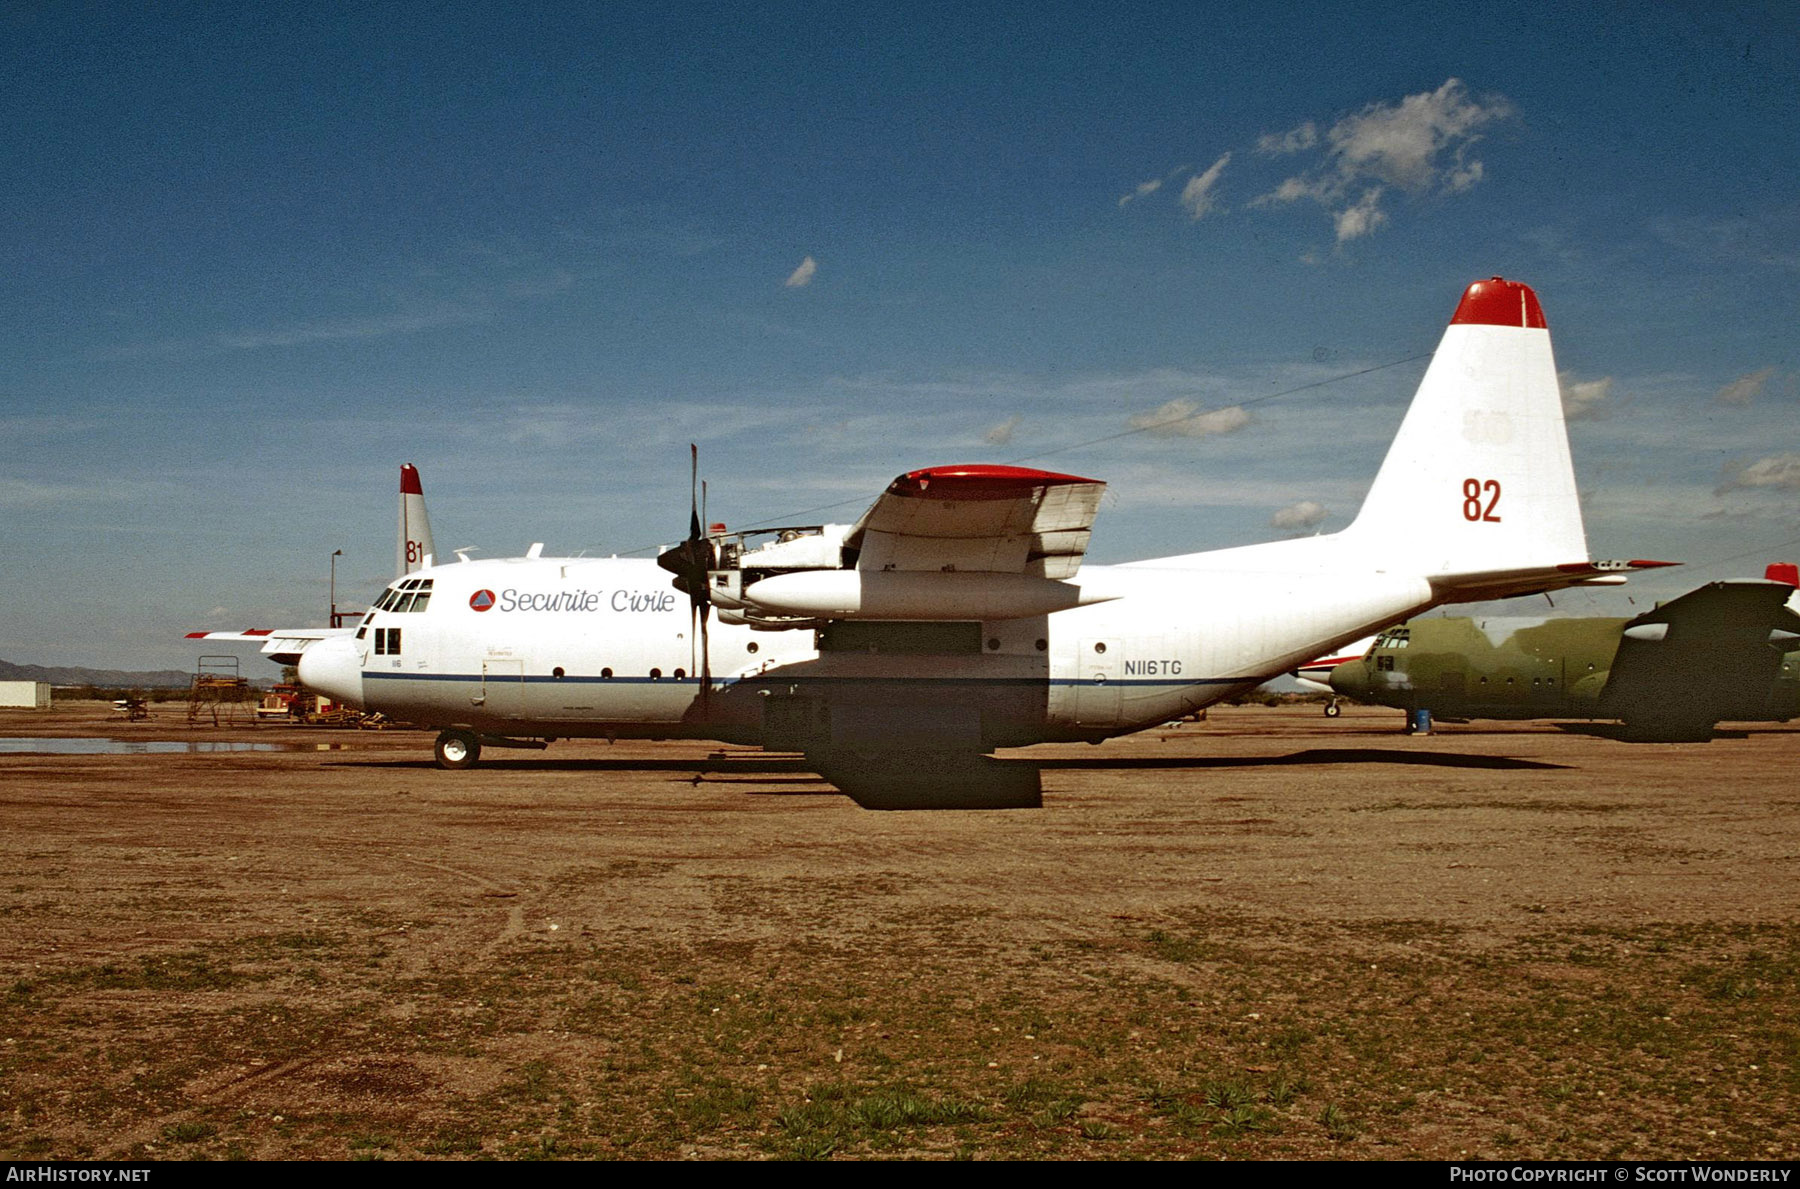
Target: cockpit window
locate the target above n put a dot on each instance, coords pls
(411, 595)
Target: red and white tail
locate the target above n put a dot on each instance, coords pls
(1479, 479)
(415, 528)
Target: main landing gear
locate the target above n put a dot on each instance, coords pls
(457, 750)
(1332, 710)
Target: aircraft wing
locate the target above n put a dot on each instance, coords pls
(981, 519)
(946, 543)
(281, 645)
(1718, 647)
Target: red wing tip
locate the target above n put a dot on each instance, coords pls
(197, 635)
(974, 481)
(1653, 565)
(409, 480)
(1500, 302)
(1783, 571)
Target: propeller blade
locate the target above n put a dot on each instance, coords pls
(691, 562)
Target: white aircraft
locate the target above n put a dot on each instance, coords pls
(955, 617)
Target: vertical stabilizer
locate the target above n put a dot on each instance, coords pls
(1478, 479)
(415, 528)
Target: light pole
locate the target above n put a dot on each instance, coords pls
(335, 554)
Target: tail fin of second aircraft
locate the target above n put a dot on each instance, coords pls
(1478, 481)
(415, 528)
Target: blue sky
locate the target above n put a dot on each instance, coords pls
(252, 261)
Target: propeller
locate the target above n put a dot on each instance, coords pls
(690, 562)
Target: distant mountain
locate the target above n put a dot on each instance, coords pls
(111, 678)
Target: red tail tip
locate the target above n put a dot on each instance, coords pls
(1499, 302)
(1783, 571)
(409, 480)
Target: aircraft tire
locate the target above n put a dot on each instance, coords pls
(457, 750)
(1332, 710)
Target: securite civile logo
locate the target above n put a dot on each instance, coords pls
(482, 600)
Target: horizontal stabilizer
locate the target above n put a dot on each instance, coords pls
(281, 645)
(1481, 585)
(1713, 653)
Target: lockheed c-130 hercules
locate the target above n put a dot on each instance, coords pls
(1726, 652)
(956, 617)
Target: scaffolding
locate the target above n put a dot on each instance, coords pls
(220, 694)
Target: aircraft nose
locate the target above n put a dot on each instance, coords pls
(332, 667)
(1350, 678)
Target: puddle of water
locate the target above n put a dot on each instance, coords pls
(133, 747)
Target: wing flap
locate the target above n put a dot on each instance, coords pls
(985, 519)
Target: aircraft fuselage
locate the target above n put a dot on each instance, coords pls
(543, 647)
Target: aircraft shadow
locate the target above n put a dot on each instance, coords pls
(1312, 756)
(1619, 732)
(527, 763)
(750, 765)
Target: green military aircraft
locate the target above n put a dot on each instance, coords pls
(1729, 651)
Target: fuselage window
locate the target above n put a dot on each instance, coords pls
(387, 641)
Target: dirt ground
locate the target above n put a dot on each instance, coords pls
(1269, 934)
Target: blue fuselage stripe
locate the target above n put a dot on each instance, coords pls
(787, 679)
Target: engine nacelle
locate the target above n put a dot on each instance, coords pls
(912, 595)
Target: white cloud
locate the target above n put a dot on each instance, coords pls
(1418, 145)
(1585, 400)
(1143, 189)
(1275, 145)
(1405, 144)
(1294, 189)
(1181, 418)
(1461, 179)
(28, 493)
(802, 276)
(332, 330)
(1362, 219)
(1299, 516)
(1778, 471)
(1745, 389)
(1197, 197)
(1001, 434)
